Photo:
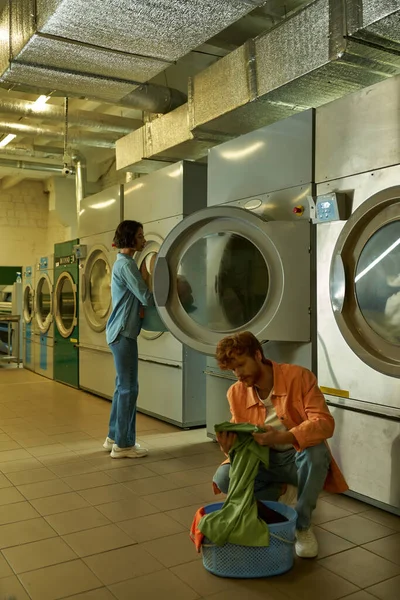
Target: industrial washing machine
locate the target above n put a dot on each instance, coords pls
(66, 301)
(99, 217)
(171, 375)
(28, 296)
(246, 259)
(358, 276)
(43, 342)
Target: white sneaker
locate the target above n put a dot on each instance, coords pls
(134, 452)
(290, 496)
(108, 444)
(306, 543)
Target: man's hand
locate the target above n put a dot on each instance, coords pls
(226, 439)
(272, 437)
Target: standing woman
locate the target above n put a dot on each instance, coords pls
(129, 294)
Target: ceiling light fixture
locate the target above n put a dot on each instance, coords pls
(9, 138)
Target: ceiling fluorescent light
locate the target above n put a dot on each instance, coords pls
(9, 138)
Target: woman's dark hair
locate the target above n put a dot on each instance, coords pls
(125, 234)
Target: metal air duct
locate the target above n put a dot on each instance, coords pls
(86, 139)
(322, 53)
(81, 118)
(31, 166)
(107, 49)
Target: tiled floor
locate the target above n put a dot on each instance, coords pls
(76, 524)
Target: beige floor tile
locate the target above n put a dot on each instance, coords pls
(59, 459)
(388, 547)
(347, 503)
(151, 527)
(382, 517)
(172, 550)
(77, 467)
(188, 478)
(363, 595)
(311, 582)
(20, 465)
(36, 555)
(329, 543)
(173, 499)
(387, 590)
(106, 494)
(123, 563)
(33, 476)
(10, 495)
(20, 511)
(360, 567)
(358, 530)
(168, 466)
(98, 594)
(24, 532)
(59, 581)
(198, 578)
(88, 480)
(4, 482)
(29, 442)
(5, 569)
(60, 503)
(69, 436)
(77, 520)
(11, 455)
(88, 444)
(326, 512)
(101, 539)
(10, 445)
(153, 587)
(204, 492)
(184, 515)
(151, 485)
(127, 509)
(242, 591)
(129, 472)
(12, 587)
(32, 491)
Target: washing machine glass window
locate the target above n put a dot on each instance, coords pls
(223, 281)
(377, 282)
(65, 305)
(96, 289)
(152, 321)
(147, 267)
(28, 304)
(44, 303)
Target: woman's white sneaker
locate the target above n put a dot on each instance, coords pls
(306, 543)
(108, 444)
(134, 452)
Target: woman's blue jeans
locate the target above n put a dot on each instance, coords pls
(306, 469)
(122, 426)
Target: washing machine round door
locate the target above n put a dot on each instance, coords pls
(44, 302)
(28, 303)
(96, 288)
(365, 282)
(65, 305)
(224, 270)
(152, 327)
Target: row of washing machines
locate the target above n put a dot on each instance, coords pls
(67, 299)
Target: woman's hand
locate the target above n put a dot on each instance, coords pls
(226, 440)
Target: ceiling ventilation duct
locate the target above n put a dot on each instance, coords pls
(106, 49)
(325, 51)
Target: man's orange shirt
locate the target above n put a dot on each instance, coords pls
(301, 407)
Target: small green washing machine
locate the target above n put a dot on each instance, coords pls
(66, 302)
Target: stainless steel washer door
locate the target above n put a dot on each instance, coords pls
(44, 302)
(96, 288)
(224, 270)
(365, 282)
(65, 306)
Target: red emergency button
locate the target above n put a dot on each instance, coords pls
(298, 210)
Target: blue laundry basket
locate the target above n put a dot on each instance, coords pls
(249, 562)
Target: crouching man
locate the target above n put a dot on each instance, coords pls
(287, 402)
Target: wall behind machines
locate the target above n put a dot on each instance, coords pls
(358, 153)
(27, 228)
(269, 171)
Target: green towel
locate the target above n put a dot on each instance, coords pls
(237, 522)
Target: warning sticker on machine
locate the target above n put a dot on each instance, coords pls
(335, 392)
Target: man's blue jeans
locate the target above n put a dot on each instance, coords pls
(122, 426)
(306, 469)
